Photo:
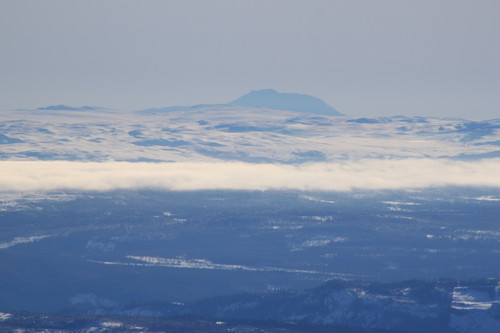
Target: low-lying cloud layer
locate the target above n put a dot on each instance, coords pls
(338, 176)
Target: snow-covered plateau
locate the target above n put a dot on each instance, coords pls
(236, 133)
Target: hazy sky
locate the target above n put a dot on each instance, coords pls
(364, 57)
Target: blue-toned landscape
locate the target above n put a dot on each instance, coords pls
(249, 166)
(402, 250)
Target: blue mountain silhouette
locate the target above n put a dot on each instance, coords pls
(68, 108)
(271, 99)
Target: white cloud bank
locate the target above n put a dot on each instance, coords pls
(338, 176)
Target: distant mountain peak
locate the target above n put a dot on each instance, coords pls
(68, 108)
(272, 99)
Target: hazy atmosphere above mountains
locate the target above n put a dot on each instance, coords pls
(365, 58)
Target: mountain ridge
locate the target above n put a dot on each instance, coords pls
(265, 99)
(62, 107)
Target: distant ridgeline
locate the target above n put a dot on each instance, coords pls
(269, 99)
(68, 108)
